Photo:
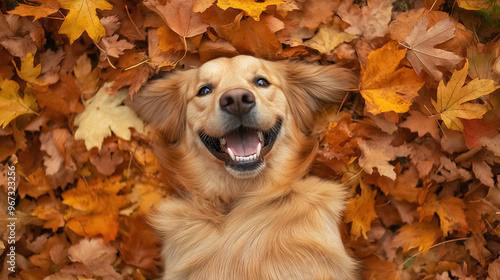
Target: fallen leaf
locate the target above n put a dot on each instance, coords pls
(179, 16)
(384, 86)
(378, 153)
(450, 211)
(47, 209)
(422, 124)
(94, 207)
(82, 17)
(97, 256)
(328, 38)
(28, 71)
(108, 158)
(417, 235)
(104, 114)
(113, 47)
(371, 20)
(11, 104)
(422, 53)
(45, 9)
(360, 210)
(451, 99)
(252, 8)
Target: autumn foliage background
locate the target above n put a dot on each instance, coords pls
(418, 144)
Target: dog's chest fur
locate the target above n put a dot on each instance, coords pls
(281, 233)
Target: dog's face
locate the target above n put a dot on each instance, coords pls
(242, 114)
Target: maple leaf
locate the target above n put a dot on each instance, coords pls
(450, 211)
(385, 88)
(46, 8)
(371, 20)
(11, 104)
(422, 53)
(417, 235)
(360, 210)
(377, 153)
(29, 72)
(111, 46)
(47, 209)
(451, 99)
(103, 114)
(179, 16)
(95, 207)
(97, 256)
(251, 7)
(82, 17)
(328, 38)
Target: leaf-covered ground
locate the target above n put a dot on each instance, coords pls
(418, 144)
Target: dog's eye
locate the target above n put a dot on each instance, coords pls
(261, 82)
(204, 91)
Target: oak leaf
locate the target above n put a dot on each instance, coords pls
(451, 99)
(11, 104)
(422, 53)
(82, 17)
(103, 115)
(252, 8)
(384, 86)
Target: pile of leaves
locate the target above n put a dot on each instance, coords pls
(418, 145)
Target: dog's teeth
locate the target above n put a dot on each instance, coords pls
(222, 141)
(254, 157)
(231, 154)
(259, 147)
(260, 135)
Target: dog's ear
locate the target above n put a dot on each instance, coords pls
(309, 87)
(162, 104)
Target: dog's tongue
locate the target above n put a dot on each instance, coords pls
(243, 141)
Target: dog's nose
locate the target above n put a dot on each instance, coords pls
(237, 101)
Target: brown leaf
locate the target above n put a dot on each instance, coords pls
(179, 16)
(370, 21)
(421, 47)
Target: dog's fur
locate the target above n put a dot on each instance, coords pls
(271, 222)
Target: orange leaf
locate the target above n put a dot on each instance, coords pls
(450, 211)
(360, 210)
(95, 207)
(417, 235)
(384, 86)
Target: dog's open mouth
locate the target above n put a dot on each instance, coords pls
(244, 148)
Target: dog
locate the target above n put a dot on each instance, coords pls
(235, 140)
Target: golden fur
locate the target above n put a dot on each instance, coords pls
(275, 222)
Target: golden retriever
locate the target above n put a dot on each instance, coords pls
(235, 141)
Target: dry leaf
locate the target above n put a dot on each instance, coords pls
(360, 210)
(104, 114)
(252, 8)
(421, 47)
(82, 17)
(452, 98)
(385, 88)
(371, 20)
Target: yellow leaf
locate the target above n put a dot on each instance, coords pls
(82, 16)
(452, 97)
(360, 210)
(29, 72)
(474, 5)
(328, 38)
(11, 104)
(104, 114)
(383, 87)
(251, 7)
